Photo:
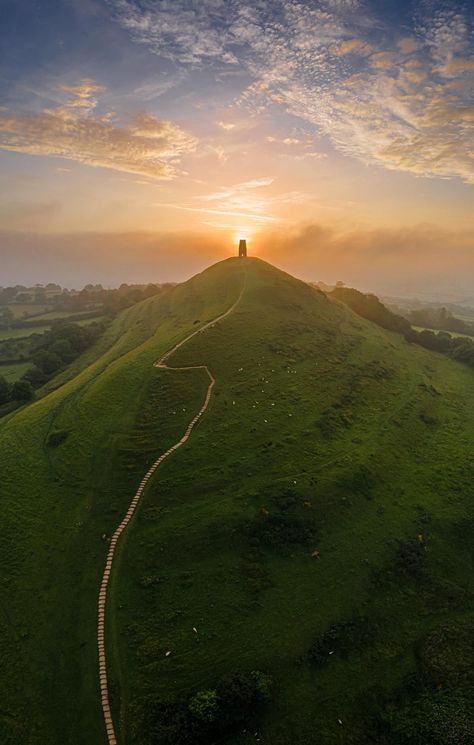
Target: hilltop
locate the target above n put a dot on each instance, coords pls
(316, 529)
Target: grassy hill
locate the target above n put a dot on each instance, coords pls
(317, 528)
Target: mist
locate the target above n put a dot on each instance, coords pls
(421, 259)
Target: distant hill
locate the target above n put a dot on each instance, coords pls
(305, 559)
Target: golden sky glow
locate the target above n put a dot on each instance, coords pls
(223, 120)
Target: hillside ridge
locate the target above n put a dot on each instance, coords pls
(161, 364)
(291, 517)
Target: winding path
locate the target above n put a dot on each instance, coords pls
(161, 364)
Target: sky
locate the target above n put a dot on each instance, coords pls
(140, 139)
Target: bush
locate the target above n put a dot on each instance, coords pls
(341, 639)
(209, 715)
(22, 390)
(370, 307)
(5, 392)
(204, 706)
(35, 376)
(47, 362)
(441, 718)
(445, 655)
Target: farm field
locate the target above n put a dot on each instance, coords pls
(454, 334)
(14, 372)
(19, 333)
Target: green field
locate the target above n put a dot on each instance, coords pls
(325, 434)
(25, 310)
(454, 334)
(88, 321)
(14, 372)
(22, 332)
(57, 315)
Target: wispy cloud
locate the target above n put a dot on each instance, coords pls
(146, 146)
(226, 125)
(400, 101)
(238, 200)
(222, 211)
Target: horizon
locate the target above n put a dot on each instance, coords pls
(94, 266)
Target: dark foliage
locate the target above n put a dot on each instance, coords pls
(5, 390)
(370, 307)
(57, 348)
(209, 716)
(22, 390)
(341, 639)
(439, 318)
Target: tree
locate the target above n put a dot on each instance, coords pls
(22, 390)
(204, 706)
(48, 362)
(6, 315)
(5, 392)
(35, 376)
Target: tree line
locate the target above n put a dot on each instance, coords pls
(54, 350)
(369, 306)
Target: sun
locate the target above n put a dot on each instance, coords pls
(241, 235)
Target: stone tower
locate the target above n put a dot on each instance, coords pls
(242, 248)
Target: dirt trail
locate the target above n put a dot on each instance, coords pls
(161, 364)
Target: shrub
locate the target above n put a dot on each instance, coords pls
(342, 639)
(22, 390)
(204, 706)
(5, 391)
(209, 715)
(35, 376)
(441, 718)
(446, 654)
(47, 362)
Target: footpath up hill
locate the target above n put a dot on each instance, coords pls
(316, 528)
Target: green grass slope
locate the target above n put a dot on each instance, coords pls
(325, 433)
(286, 531)
(68, 464)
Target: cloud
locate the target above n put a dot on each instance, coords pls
(187, 32)
(284, 140)
(82, 95)
(238, 201)
(146, 146)
(352, 46)
(310, 155)
(388, 101)
(408, 45)
(413, 258)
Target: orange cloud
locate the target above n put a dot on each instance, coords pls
(147, 146)
(352, 46)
